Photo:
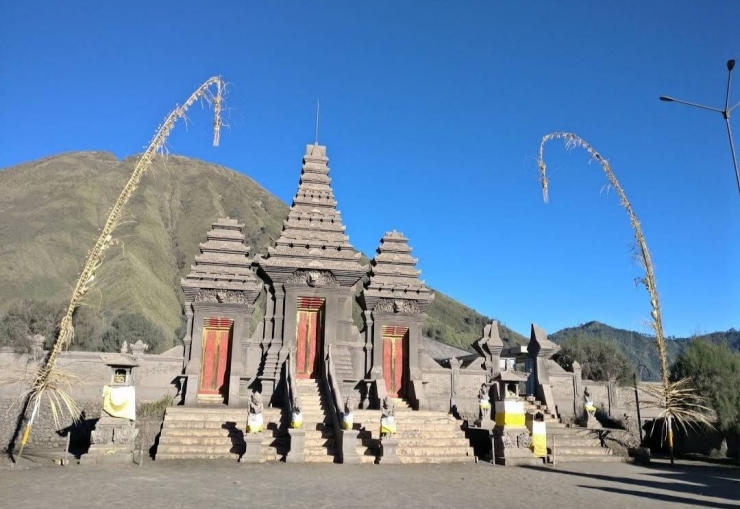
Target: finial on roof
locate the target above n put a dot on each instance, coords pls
(318, 106)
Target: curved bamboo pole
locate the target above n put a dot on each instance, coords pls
(48, 381)
(677, 401)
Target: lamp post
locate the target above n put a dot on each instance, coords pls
(725, 114)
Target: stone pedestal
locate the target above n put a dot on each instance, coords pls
(485, 423)
(296, 453)
(388, 446)
(591, 422)
(348, 443)
(112, 441)
(253, 453)
(511, 446)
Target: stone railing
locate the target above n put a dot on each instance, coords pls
(346, 439)
(296, 452)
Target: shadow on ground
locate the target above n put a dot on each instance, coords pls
(691, 480)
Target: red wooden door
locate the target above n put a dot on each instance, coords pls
(215, 363)
(395, 353)
(309, 331)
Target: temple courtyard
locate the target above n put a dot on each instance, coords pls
(215, 484)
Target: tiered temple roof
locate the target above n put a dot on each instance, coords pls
(394, 278)
(313, 236)
(223, 270)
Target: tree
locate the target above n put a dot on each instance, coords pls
(26, 319)
(714, 371)
(132, 327)
(599, 359)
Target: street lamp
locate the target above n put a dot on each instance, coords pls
(725, 114)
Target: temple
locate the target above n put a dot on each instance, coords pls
(323, 346)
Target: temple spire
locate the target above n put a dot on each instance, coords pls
(394, 278)
(313, 236)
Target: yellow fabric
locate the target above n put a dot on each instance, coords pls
(539, 445)
(296, 421)
(348, 421)
(255, 423)
(509, 419)
(120, 401)
(387, 426)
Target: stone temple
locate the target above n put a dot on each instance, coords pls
(283, 326)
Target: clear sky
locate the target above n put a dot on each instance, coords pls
(432, 112)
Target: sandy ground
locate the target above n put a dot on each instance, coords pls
(211, 485)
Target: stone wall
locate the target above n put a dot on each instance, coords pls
(154, 378)
(564, 393)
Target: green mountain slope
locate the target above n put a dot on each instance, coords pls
(51, 210)
(639, 348)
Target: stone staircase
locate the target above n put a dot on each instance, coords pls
(566, 444)
(317, 421)
(342, 363)
(570, 444)
(423, 436)
(218, 433)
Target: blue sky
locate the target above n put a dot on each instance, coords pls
(432, 113)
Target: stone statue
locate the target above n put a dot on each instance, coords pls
(255, 403)
(587, 397)
(388, 409)
(255, 421)
(124, 346)
(296, 418)
(387, 418)
(347, 415)
(588, 406)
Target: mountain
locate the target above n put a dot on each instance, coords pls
(51, 211)
(639, 348)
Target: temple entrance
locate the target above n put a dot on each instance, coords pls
(214, 368)
(309, 334)
(395, 354)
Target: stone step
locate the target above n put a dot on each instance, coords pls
(416, 435)
(404, 451)
(564, 430)
(225, 441)
(454, 441)
(568, 441)
(436, 459)
(319, 459)
(583, 451)
(212, 432)
(417, 426)
(185, 424)
(218, 417)
(572, 458)
(162, 456)
(211, 449)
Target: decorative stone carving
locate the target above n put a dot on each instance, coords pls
(138, 348)
(221, 297)
(523, 440)
(400, 306)
(313, 278)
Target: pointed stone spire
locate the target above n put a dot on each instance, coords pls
(394, 283)
(313, 236)
(223, 270)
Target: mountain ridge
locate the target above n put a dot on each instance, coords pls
(52, 208)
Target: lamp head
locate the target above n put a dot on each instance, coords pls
(666, 99)
(730, 64)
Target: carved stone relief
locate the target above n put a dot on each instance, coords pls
(400, 306)
(313, 278)
(221, 297)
